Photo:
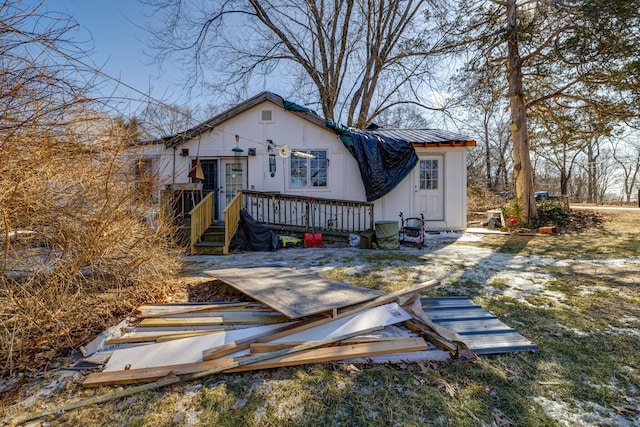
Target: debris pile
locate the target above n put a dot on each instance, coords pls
(295, 319)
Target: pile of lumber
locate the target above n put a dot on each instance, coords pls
(296, 319)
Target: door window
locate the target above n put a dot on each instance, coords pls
(429, 174)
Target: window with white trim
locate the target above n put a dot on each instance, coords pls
(309, 172)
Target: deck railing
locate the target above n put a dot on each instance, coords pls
(299, 214)
(231, 218)
(201, 218)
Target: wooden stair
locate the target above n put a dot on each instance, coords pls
(212, 241)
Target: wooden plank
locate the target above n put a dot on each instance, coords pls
(179, 329)
(257, 348)
(160, 310)
(156, 336)
(211, 321)
(198, 370)
(131, 376)
(265, 311)
(338, 352)
(292, 293)
(229, 348)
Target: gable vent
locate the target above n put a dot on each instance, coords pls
(266, 115)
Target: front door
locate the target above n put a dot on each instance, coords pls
(428, 188)
(210, 183)
(232, 180)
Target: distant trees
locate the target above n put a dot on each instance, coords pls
(627, 158)
(569, 66)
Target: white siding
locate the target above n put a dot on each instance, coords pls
(344, 180)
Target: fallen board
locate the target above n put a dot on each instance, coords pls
(189, 350)
(479, 329)
(186, 350)
(381, 316)
(304, 357)
(292, 293)
(348, 351)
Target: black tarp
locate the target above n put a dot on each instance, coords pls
(253, 236)
(383, 162)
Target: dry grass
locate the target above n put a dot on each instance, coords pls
(586, 363)
(75, 241)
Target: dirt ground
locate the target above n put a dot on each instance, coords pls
(518, 268)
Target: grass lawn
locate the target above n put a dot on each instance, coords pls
(576, 296)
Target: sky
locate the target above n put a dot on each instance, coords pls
(117, 28)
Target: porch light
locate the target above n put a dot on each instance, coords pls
(272, 165)
(237, 151)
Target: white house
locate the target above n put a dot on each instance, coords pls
(264, 145)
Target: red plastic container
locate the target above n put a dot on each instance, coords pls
(312, 239)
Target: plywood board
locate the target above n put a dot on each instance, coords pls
(292, 293)
(160, 310)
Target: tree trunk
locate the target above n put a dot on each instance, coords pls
(522, 170)
(487, 154)
(591, 174)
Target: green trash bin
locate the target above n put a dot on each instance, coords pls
(387, 234)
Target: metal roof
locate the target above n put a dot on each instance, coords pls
(483, 332)
(425, 136)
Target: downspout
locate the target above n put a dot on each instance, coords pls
(173, 172)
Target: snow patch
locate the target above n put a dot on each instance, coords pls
(586, 414)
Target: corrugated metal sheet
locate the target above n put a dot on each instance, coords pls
(483, 332)
(423, 136)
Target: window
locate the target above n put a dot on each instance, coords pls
(428, 174)
(309, 172)
(144, 179)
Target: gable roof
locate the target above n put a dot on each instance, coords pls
(418, 137)
(172, 141)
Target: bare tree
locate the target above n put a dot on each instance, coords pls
(627, 157)
(480, 93)
(353, 58)
(70, 223)
(554, 52)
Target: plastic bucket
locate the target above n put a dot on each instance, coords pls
(387, 234)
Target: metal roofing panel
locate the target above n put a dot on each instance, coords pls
(423, 136)
(480, 330)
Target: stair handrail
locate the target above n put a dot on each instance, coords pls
(201, 218)
(231, 219)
